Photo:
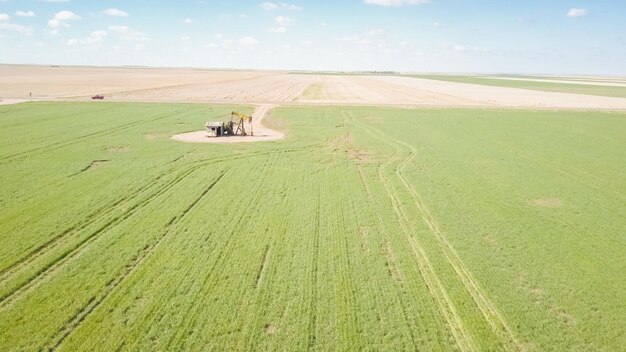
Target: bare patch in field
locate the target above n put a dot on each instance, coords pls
(270, 329)
(120, 149)
(547, 202)
(392, 264)
(94, 165)
(359, 155)
(489, 239)
(540, 298)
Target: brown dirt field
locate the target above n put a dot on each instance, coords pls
(261, 133)
(273, 87)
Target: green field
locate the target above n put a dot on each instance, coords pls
(606, 91)
(367, 229)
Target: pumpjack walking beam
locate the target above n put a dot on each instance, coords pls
(240, 125)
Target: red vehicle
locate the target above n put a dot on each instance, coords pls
(97, 97)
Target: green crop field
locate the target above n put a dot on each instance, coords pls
(366, 229)
(576, 88)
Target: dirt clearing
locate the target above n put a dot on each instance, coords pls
(261, 133)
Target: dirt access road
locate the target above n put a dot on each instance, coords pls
(261, 133)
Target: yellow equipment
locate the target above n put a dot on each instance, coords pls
(240, 125)
(219, 129)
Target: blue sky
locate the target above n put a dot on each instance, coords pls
(533, 36)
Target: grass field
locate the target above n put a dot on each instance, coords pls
(605, 91)
(366, 229)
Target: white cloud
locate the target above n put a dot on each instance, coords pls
(93, 41)
(54, 23)
(119, 29)
(458, 48)
(4, 17)
(115, 12)
(187, 21)
(25, 14)
(59, 19)
(129, 34)
(396, 2)
(282, 20)
(577, 12)
(282, 23)
(219, 36)
(185, 38)
(99, 34)
(66, 15)
(374, 32)
(210, 46)
(248, 41)
(270, 6)
(13, 27)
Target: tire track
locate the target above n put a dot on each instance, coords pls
(139, 258)
(54, 146)
(227, 249)
(51, 268)
(440, 295)
(103, 212)
(495, 319)
(372, 205)
(490, 313)
(313, 279)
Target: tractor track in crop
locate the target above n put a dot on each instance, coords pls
(444, 303)
(490, 313)
(381, 226)
(259, 275)
(103, 212)
(26, 122)
(54, 146)
(75, 250)
(446, 306)
(495, 319)
(313, 279)
(228, 247)
(153, 320)
(131, 267)
(373, 205)
(257, 315)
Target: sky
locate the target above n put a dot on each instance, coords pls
(452, 36)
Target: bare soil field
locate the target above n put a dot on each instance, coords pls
(274, 87)
(581, 81)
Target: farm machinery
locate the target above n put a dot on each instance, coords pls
(235, 127)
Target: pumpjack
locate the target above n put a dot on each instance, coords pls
(235, 127)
